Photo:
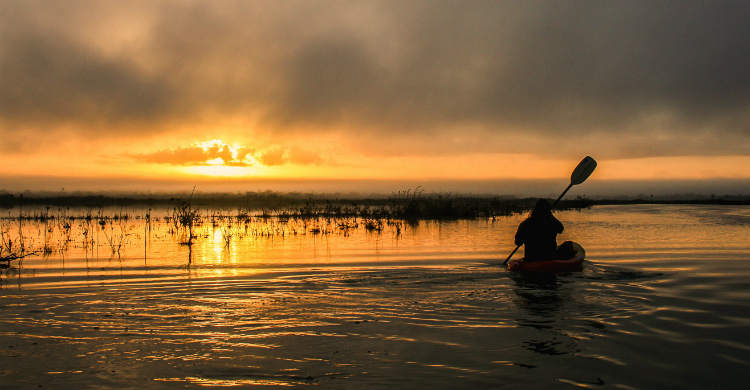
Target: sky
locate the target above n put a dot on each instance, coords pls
(483, 96)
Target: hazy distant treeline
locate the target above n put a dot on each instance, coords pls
(277, 200)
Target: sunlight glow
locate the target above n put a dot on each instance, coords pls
(220, 171)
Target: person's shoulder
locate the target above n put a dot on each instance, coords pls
(525, 223)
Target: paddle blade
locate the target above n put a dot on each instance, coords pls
(583, 171)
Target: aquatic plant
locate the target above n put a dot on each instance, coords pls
(582, 202)
(13, 247)
(184, 216)
(373, 225)
(116, 237)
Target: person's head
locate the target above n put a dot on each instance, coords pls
(542, 209)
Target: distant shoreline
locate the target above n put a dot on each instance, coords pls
(276, 200)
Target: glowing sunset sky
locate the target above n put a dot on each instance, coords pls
(248, 92)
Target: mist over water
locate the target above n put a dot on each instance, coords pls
(504, 187)
(662, 303)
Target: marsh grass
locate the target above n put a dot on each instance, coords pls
(405, 206)
(59, 230)
(189, 221)
(185, 218)
(14, 247)
(117, 236)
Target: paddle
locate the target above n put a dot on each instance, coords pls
(579, 175)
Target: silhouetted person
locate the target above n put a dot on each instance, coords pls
(539, 233)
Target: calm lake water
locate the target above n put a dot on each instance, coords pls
(663, 303)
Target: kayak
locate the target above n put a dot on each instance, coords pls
(575, 263)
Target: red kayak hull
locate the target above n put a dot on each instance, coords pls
(547, 266)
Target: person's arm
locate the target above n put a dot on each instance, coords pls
(520, 236)
(560, 226)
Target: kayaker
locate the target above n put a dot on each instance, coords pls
(538, 233)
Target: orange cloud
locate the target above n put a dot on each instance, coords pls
(213, 152)
(272, 157)
(301, 156)
(293, 155)
(216, 152)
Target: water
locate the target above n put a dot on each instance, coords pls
(662, 303)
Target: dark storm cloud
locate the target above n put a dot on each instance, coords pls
(50, 79)
(630, 78)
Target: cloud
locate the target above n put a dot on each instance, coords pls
(51, 78)
(302, 156)
(294, 155)
(546, 77)
(272, 157)
(213, 152)
(216, 152)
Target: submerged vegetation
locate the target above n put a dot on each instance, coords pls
(13, 246)
(44, 226)
(102, 223)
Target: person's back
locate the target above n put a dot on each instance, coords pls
(538, 233)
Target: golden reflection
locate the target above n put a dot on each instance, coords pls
(218, 237)
(228, 382)
(217, 245)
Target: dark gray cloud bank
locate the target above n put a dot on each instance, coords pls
(608, 78)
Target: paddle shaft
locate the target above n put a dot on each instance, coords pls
(579, 175)
(511, 254)
(560, 197)
(553, 206)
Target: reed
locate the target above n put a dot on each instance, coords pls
(186, 218)
(62, 228)
(117, 237)
(13, 248)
